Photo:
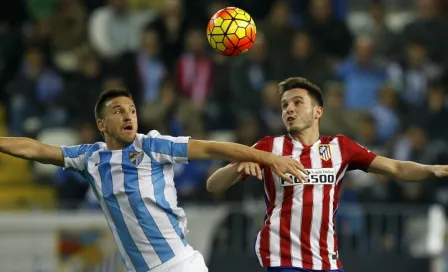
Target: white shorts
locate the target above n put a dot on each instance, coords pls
(193, 263)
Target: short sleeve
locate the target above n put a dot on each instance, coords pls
(75, 156)
(166, 149)
(357, 156)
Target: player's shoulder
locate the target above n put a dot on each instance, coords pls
(98, 146)
(341, 138)
(268, 140)
(152, 134)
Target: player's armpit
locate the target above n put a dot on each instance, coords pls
(31, 149)
(401, 170)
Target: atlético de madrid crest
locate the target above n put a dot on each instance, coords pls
(325, 152)
(136, 157)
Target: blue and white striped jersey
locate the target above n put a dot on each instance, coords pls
(136, 191)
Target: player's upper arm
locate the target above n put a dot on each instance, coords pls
(166, 149)
(49, 154)
(75, 156)
(357, 156)
(384, 166)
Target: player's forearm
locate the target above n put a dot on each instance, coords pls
(24, 148)
(31, 149)
(223, 178)
(412, 171)
(227, 151)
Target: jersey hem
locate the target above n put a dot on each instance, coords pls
(278, 264)
(187, 253)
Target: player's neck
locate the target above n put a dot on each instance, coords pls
(306, 137)
(113, 144)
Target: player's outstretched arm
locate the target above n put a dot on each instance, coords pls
(31, 149)
(203, 150)
(407, 170)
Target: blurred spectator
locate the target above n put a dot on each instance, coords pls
(195, 68)
(415, 146)
(362, 76)
(433, 115)
(114, 29)
(384, 40)
(411, 76)
(270, 110)
(277, 27)
(68, 33)
(385, 114)
(84, 88)
(171, 114)
(373, 187)
(35, 96)
(430, 28)
(301, 59)
(337, 119)
(171, 25)
(332, 36)
(150, 68)
(248, 75)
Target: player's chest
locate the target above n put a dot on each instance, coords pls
(121, 166)
(323, 163)
(319, 176)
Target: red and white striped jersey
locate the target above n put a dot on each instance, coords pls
(299, 229)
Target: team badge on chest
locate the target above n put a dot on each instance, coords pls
(325, 152)
(136, 157)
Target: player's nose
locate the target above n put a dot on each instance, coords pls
(289, 108)
(127, 116)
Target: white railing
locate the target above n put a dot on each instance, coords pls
(28, 240)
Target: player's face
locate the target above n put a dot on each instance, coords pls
(120, 120)
(298, 110)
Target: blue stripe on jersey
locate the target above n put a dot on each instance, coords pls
(75, 151)
(114, 209)
(86, 173)
(145, 220)
(168, 147)
(158, 181)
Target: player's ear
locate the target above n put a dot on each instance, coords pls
(319, 111)
(101, 125)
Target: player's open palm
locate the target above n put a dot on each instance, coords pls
(282, 166)
(440, 171)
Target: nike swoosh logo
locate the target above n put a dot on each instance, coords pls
(96, 164)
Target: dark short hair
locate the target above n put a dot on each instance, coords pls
(105, 97)
(301, 83)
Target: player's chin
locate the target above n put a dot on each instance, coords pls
(128, 136)
(293, 129)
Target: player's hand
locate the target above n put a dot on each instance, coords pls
(250, 168)
(282, 166)
(440, 171)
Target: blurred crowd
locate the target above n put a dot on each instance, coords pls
(383, 87)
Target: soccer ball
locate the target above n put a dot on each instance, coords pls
(231, 31)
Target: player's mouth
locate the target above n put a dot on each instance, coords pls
(128, 127)
(290, 119)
